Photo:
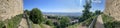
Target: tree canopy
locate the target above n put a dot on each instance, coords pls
(86, 12)
(36, 16)
(64, 21)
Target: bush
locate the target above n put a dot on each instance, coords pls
(49, 22)
(64, 22)
(109, 22)
(107, 18)
(14, 21)
(1, 24)
(114, 24)
(36, 16)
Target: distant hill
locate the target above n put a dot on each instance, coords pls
(62, 14)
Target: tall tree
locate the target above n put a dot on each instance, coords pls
(86, 11)
(97, 12)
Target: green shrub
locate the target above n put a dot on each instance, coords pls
(107, 18)
(49, 22)
(87, 22)
(36, 16)
(114, 24)
(1, 24)
(14, 21)
(64, 22)
(109, 22)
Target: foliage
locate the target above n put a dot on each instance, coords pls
(77, 25)
(2, 24)
(14, 21)
(88, 21)
(86, 11)
(49, 22)
(64, 22)
(52, 17)
(27, 12)
(97, 12)
(114, 24)
(36, 16)
(107, 18)
(109, 22)
(45, 26)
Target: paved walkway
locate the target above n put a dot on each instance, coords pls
(99, 22)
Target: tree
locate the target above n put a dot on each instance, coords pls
(86, 11)
(64, 21)
(27, 12)
(36, 16)
(97, 12)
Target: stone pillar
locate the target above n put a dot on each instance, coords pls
(10, 8)
(112, 8)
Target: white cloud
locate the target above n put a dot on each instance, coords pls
(96, 1)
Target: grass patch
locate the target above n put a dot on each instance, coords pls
(109, 22)
(46, 26)
(1, 24)
(13, 22)
(32, 24)
(84, 23)
(107, 18)
(41, 26)
(88, 21)
(74, 26)
(114, 24)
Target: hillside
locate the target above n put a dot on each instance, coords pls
(62, 13)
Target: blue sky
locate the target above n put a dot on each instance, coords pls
(62, 5)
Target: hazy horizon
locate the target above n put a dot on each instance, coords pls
(68, 6)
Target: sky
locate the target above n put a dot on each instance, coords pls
(62, 5)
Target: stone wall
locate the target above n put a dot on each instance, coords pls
(113, 9)
(10, 8)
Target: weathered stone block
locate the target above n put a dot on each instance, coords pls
(10, 8)
(113, 9)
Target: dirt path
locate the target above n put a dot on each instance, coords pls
(82, 26)
(99, 22)
(23, 23)
(41, 26)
